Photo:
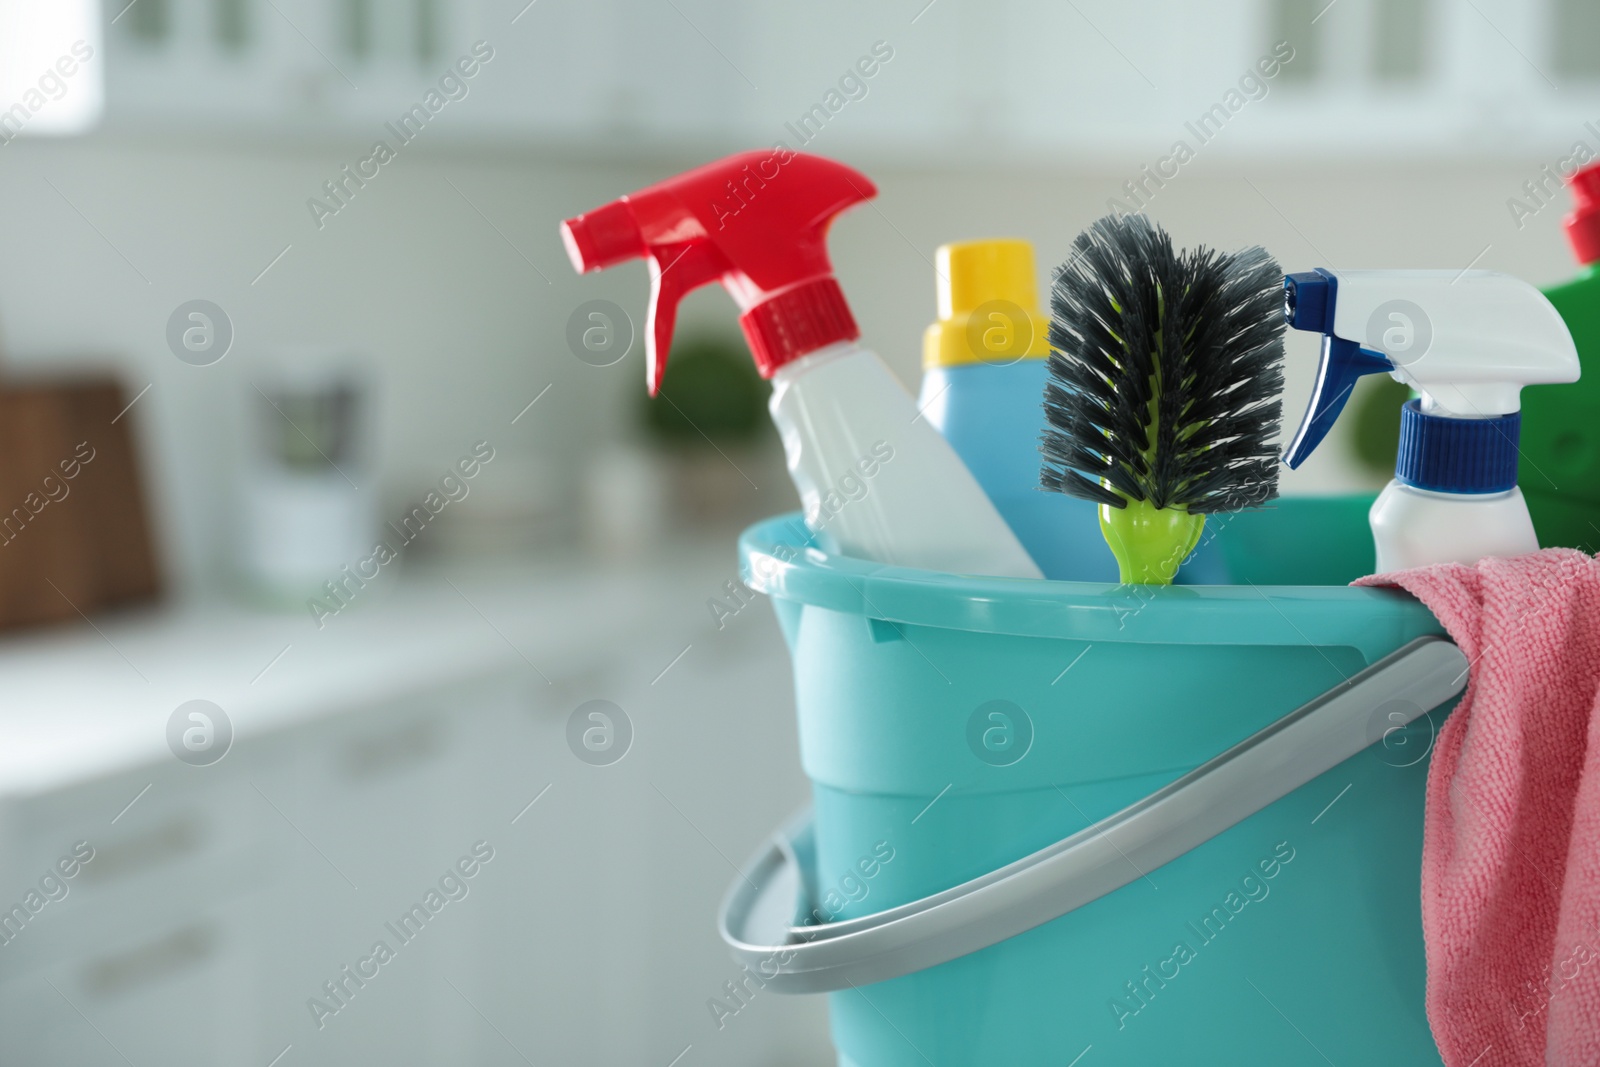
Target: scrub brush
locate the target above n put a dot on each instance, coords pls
(1163, 393)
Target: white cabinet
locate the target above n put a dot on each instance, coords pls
(995, 84)
(368, 810)
(170, 992)
(146, 950)
(221, 899)
(597, 936)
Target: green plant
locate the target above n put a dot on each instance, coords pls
(1375, 436)
(710, 394)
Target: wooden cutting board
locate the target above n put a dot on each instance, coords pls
(74, 529)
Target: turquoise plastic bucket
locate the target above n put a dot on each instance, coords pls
(1293, 937)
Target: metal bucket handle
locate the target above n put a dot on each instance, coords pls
(758, 913)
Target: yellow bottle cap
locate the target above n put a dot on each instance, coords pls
(988, 305)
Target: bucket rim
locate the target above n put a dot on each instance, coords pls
(779, 557)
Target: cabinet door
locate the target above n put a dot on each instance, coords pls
(619, 70)
(550, 916)
(174, 994)
(724, 772)
(167, 841)
(597, 938)
(371, 810)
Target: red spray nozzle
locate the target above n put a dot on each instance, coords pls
(757, 222)
(1583, 224)
(603, 238)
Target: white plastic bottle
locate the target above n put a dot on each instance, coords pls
(876, 481)
(1415, 527)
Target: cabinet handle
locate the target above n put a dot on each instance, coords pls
(166, 843)
(386, 753)
(170, 954)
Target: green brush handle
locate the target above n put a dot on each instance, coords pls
(1149, 542)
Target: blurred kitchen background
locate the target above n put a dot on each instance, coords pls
(275, 365)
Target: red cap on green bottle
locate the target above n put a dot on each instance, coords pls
(1583, 224)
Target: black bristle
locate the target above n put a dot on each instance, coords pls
(1199, 334)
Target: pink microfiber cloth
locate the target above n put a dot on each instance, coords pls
(1511, 844)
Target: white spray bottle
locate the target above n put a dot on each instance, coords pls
(1467, 342)
(875, 479)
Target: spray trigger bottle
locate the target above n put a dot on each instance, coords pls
(1467, 342)
(876, 481)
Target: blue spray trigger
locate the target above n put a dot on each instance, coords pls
(1309, 298)
(1342, 363)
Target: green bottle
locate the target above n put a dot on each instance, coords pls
(1560, 469)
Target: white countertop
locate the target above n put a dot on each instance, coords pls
(88, 699)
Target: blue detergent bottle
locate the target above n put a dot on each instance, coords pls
(982, 387)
